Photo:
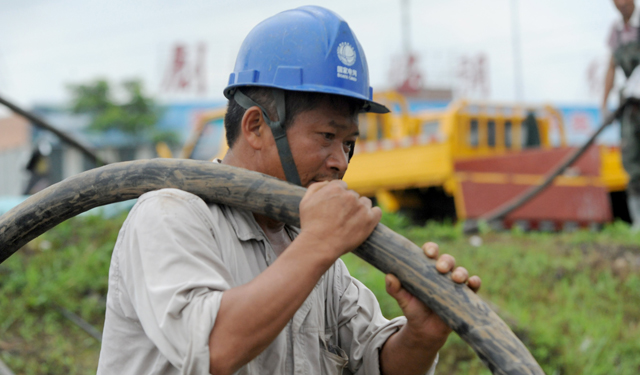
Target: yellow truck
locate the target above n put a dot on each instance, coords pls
(468, 159)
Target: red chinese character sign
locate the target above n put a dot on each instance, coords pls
(185, 71)
(473, 77)
(580, 123)
(405, 74)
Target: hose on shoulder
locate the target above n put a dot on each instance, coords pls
(456, 304)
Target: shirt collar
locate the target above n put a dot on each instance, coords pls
(245, 225)
(247, 228)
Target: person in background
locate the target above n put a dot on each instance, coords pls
(624, 45)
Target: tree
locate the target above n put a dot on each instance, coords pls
(136, 114)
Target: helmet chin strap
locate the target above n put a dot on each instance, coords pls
(279, 133)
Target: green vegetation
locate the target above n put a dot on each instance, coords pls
(66, 267)
(572, 298)
(136, 114)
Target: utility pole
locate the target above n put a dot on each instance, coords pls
(411, 78)
(517, 54)
(406, 28)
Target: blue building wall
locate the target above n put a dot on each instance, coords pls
(581, 121)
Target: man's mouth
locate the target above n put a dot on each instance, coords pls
(323, 179)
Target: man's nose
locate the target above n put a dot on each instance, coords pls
(338, 160)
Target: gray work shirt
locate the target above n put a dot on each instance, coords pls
(174, 258)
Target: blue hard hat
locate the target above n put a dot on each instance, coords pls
(305, 49)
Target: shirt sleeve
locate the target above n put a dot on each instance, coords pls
(363, 329)
(174, 276)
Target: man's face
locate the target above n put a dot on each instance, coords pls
(320, 140)
(625, 7)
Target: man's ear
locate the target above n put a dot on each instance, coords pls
(253, 127)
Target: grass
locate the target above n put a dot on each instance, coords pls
(572, 298)
(64, 268)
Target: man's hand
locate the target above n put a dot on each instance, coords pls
(335, 218)
(420, 319)
(413, 349)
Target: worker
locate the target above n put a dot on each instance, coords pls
(197, 289)
(625, 53)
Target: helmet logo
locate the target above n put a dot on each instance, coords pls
(346, 54)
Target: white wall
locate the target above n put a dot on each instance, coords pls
(13, 175)
(72, 162)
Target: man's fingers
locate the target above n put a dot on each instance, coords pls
(392, 283)
(377, 213)
(431, 250)
(474, 283)
(366, 202)
(445, 263)
(339, 183)
(460, 275)
(395, 290)
(356, 195)
(314, 187)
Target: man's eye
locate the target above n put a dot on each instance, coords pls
(329, 136)
(348, 146)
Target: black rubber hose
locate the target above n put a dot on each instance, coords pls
(42, 124)
(456, 304)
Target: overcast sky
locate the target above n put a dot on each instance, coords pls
(46, 44)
